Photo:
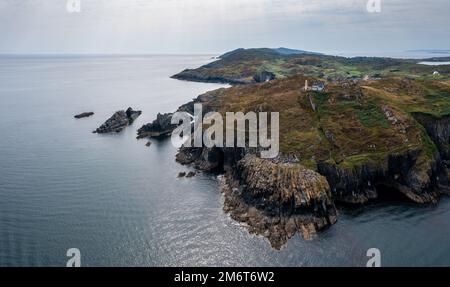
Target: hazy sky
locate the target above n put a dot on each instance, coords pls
(212, 26)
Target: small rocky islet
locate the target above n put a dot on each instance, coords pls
(160, 127)
(84, 115)
(346, 142)
(118, 121)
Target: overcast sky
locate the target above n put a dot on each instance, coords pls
(214, 26)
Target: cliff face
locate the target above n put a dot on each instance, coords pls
(439, 131)
(272, 198)
(410, 174)
(277, 200)
(206, 159)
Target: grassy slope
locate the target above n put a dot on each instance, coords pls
(353, 124)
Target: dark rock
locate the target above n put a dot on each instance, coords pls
(160, 127)
(118, 121)
(405, 173)
(181, 174)
(149, 143)
(132, 115)
(438, 130)
(207, 159)
(264, 76)
(84, 115)
(191, 174)
(277, 200)
(446, 163)
(193, 76)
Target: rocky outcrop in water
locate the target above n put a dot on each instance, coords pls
(160, 127)
(84, 115)
(118, 121)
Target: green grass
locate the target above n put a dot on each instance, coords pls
(371, 115)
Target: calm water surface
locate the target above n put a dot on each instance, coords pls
(120, 202)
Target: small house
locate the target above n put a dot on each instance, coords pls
(318, 87)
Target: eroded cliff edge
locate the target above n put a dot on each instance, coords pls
(278, 200)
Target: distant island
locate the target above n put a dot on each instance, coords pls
(366, 127)
(431, 51)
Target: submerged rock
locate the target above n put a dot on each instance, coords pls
(84, 115)
(118, 121)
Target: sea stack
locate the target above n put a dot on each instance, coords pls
(118, 121)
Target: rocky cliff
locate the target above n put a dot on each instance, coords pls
(409, 174)
(439, 131)
(278, 200)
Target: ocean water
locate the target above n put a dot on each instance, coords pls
(120, 203)
(434, 63)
